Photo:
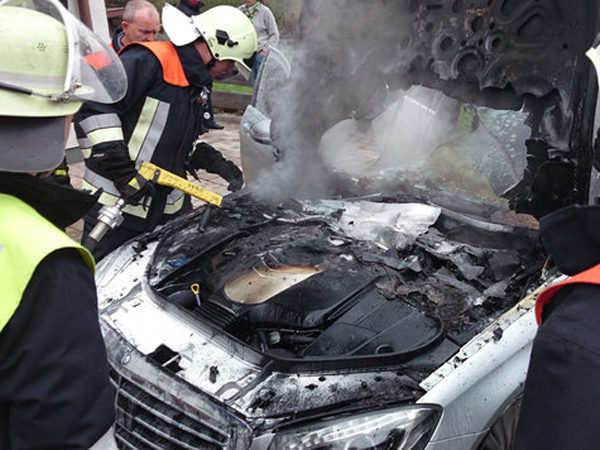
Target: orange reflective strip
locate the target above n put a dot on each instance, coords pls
(590, 276)
(169, 60)
(98, 60)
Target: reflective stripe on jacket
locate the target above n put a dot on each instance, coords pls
(26, 238)
(590, 276)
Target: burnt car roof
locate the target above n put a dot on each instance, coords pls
(511, 55)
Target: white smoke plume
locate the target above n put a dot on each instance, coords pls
(345, 67)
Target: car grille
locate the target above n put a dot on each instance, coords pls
(146, 422)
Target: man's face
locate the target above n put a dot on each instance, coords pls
(250, 2)
(143, 28)
(221, 68)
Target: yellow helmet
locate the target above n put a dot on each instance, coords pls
(229, 34)
(50, 63)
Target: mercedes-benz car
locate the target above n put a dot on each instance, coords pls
(372, 285)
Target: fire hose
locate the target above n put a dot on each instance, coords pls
(111, 216)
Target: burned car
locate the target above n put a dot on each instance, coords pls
(372, 286)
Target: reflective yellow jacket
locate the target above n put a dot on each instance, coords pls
(26, 238)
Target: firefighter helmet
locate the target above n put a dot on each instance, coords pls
(49, 64)
(594, 55)
(229, 34)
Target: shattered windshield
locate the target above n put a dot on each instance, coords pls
(422, 146)
(428, 147)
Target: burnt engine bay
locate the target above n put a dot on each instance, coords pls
(298, 285)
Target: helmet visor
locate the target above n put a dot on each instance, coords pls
(94, 71)
(245, 67)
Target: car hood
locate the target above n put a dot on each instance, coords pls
(333, 293)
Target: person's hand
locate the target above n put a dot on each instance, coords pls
(203, 156)
(137, 190)
(231, 173)
(206, 157)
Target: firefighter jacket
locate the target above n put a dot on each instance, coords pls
(572, 238)
(25, 240)
(116, 43)
(158, 120)
(590, 276)
(560, 406)
(55, 390)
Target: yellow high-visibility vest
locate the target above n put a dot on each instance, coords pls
(26, 238)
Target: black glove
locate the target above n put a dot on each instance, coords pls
(206, 157)
(60, 175)
(230, 172)
(136, 190)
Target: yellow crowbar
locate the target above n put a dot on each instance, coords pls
(110, 217)
(155, 174)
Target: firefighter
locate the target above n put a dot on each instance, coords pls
(160, 119)
(141, 23)
(561, 399)
(55, 391)
(193, 8)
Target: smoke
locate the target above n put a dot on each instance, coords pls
(410, 126)
(342, 108)
(357, 103)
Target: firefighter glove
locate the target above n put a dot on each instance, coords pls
(60, 175)
(137, 190)
(206, 157)
(230, 172)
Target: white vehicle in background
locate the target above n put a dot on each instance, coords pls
(395, 310)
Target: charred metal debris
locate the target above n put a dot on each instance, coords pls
(385, 281)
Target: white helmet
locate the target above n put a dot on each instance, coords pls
(49, 64)
(594, 55)
(229, 34)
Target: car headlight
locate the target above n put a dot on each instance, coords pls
(406, 428)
